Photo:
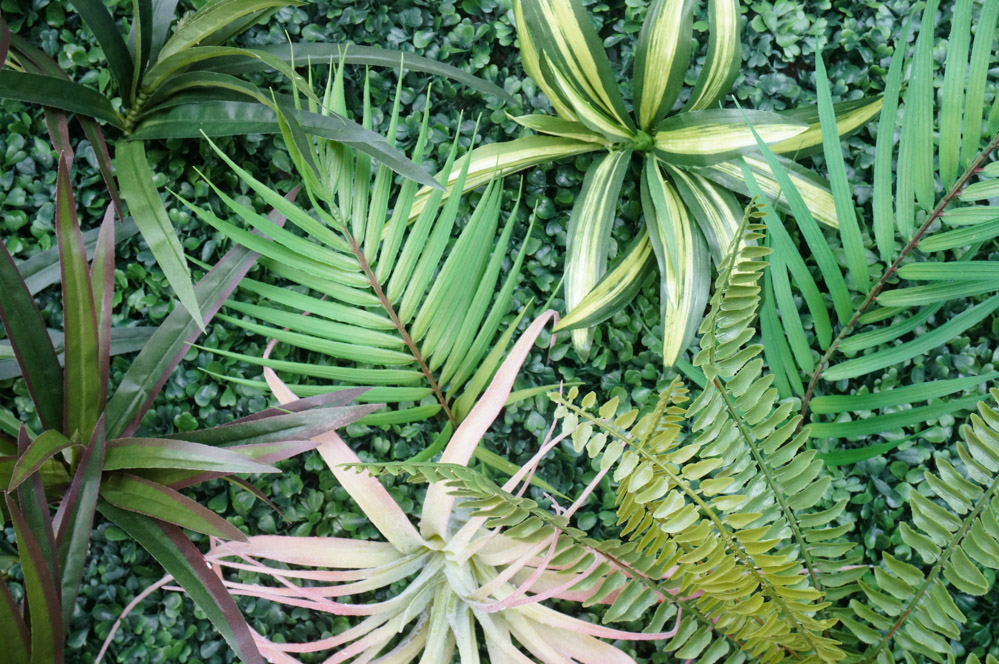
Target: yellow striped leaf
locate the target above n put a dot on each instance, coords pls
(813, 189)
(661, 59)
(589, 234)
(562, 31)
(616, 289)
(850, 116)
(703, 138)
(682, 255)
(590, 114)
(532, 64)
(556, 126)
(724, 59)
(501, 159)
(714, 208)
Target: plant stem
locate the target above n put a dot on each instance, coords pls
(954, 191)
(408, 340)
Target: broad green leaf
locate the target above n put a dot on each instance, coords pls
(724, 58)
(167, 67)
(30, 342)
(130, 453)
(210, 18)
(981, 60)
(500, 159)
(163, 15)
(204, 79)
(84, 396)
(967, 216)
(102, 24)
(589, 234)
(849, 229)
(980, 191)
(58, 93)
(884, 150)
(931, 339)
(616, 289)
(951, 97)
(863, 340)
(914, 175)
(683, 261)
(704, 138)
(143, 200)
(564, 33)
(142, 496)
(41, 593)
(662, 57)
(352, 54)
(41, 449)
(182, 560)
(813, 189)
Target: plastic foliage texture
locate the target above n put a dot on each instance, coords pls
(87, 458)
(388, 304)
(932, 224)
(183, 83)
(462, 585)
(688, 146)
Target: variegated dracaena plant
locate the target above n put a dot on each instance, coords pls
(457, 569)
(690, 154)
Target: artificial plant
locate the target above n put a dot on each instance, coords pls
(689, 169)
(86, 457)
(185, 83)
(390, 305)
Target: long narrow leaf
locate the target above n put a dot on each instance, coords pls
(181, 560)
(951, 97)
(99, 20)
(40, 450)
(58, 93)
(30, 342)
(13, 632)
(41, 593)
(981, 59)
(84, 395)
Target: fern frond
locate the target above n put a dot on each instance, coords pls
(380, 301)
(956, 530)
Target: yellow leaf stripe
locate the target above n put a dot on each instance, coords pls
(662, 60)
(845, 123)
(724, 55)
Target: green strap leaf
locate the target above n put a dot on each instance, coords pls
(30, 343)
(897, 396)
(74, 520)
(84, 396)
(662, 57)
(143, 200)
(589, 234)
(58, 93)
(143, 496)
(130, 453)
(849, 229)
(13, 632)
(849, 115)
(181, 560)
(884, 149)
(211, 18)
(724, 58)
(41, 593)
(352, 54)
(894, 421)
(951, 98)
(40, 450)
(981, 59)
(102, 24)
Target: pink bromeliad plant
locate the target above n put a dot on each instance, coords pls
(469, 582)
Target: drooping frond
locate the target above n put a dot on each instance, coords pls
(956, 530)
(379, 301)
